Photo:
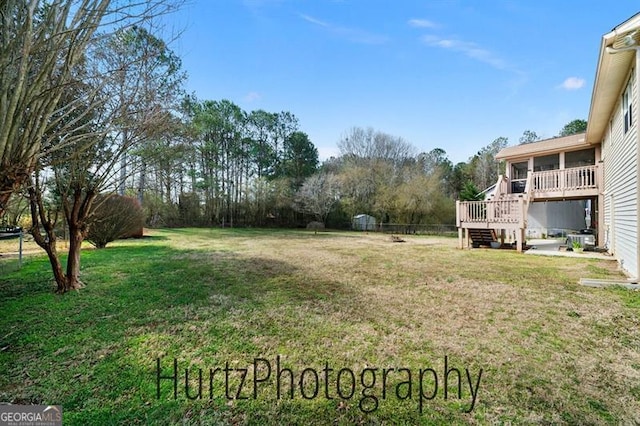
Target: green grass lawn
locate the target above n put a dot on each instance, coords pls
(366, 323)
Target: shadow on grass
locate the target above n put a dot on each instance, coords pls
(157, 275)
(144, 277)
(150, 238)
(136, 290)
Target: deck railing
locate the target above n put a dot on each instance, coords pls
(509, 209)
(572, 179)
(495, 212)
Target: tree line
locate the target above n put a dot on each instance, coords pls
(229, 167)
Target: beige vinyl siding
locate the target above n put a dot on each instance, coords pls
(621, 187)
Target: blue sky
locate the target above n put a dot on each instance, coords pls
(440, 74)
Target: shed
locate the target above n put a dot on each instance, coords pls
(363, 222)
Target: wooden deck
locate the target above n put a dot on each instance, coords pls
(508, 211)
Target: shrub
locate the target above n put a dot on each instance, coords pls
(315, 226)
(115, 217)
(470, 192)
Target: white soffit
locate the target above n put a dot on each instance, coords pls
(611, 75)
(547, 146)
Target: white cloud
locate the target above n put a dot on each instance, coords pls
(252, 97)
(421, 23)
(469, 49)
(314, 20)
(573, 83)
(352, 34)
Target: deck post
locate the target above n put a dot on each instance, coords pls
(460, 239)
(600, 224)
(466, 237)
(520, 241)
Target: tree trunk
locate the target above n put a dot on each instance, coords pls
(76, 215)
(48, 243)
(73, 261)
(123, 165)
(167, 187)
(5, 194)
(56, 266)
(142, 182)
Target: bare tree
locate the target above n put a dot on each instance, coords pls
(41, 43)
(368, 144)
(318, 195)
(100, 114)
(373, 163)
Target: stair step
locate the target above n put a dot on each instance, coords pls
(482, 237)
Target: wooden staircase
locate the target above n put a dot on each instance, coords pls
(479, 222)
(482, 237)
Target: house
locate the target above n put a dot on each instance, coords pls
(613, 125)
(592, 176)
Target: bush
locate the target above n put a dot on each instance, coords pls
(115, 217)
(470, 192)
(315, 226)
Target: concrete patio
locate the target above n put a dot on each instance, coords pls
(556, 247)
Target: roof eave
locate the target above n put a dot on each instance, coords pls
(544, 147)
(611, 73)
